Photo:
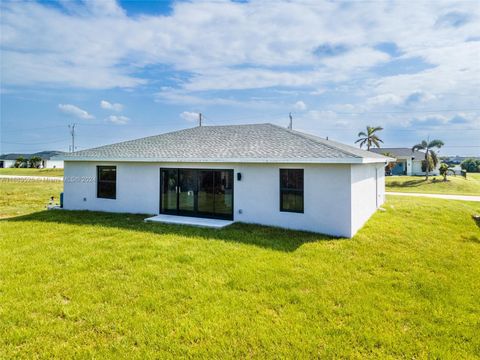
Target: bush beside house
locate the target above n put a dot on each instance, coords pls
(471, 165)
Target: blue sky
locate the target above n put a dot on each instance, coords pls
(126, 69)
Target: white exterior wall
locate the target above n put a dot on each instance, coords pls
(417, 168)
(326, 198)
(50, 164)
(409, 166)
(138, 188)
(8, 163)
(368, 192)
(328, 191)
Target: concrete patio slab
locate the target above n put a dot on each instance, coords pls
(192, 221)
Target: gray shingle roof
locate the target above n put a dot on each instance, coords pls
(400, 152)
(232, 143)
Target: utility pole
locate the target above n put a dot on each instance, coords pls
(199, 119)
(290, 126)
(72, 133)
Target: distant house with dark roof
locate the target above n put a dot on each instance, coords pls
(8, 160)
(261, 173)
(408, 162)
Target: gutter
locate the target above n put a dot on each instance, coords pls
(235, 160)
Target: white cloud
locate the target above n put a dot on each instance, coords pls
(118, 119)
(385, 99)
(96, 45)
(75, 111)
(300, 105)
(321, 115)
(189, 116)
(176, 96)
(111, 106)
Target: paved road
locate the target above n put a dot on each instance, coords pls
(31, 178)
(438, 196)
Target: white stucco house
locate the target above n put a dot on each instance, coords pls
(261, 173)
(407, 162)
(9, 160)
(6, 163)
(52, 164)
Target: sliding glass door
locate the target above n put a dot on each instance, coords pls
(197, 192)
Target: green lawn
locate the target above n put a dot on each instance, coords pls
(31, 172)
(85, 284)
(435, 184)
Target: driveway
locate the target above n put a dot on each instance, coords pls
(438, 196)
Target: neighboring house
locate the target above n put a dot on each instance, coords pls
(8, 160)
(262, 174)
(6, 163)
(48, 162)
(408, 162)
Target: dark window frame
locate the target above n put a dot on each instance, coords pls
(99, 168)
(284, 190)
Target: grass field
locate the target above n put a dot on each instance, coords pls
(84, 285)
(31, 172)
(435, 185)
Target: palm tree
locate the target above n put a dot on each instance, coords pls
(369, 137)
(431, 159)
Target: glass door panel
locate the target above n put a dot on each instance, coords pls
(205, 192)
(223, 193)
(187, 187)
(169, 190)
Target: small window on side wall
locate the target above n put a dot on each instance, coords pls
(107, 182)
(291, 190)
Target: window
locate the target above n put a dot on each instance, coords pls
(107, 182)
(291, 190)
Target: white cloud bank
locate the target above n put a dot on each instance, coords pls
(226, 45)
(75, 111)
(104, 104)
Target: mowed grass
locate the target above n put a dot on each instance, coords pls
(18, 197)
(31, 172)
(98, 285)
(435, 184)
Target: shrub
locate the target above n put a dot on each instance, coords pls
(444, 170)
(471, 165)
(35, 161)
(20, 162)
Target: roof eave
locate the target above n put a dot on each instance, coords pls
(235, 160)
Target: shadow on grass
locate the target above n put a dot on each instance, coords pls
(262, 236)
(405, 184)
(476, 219)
